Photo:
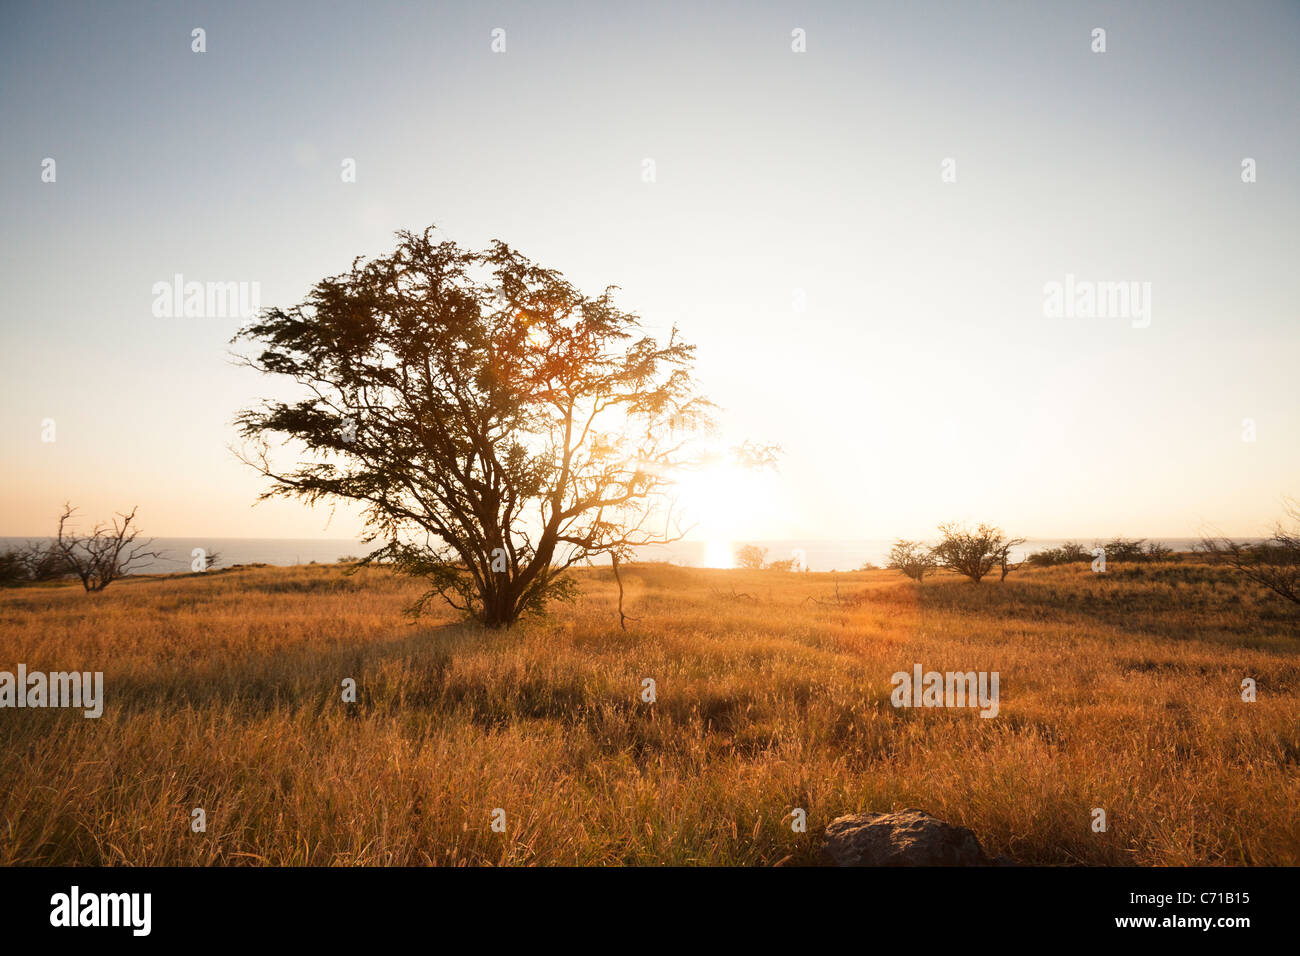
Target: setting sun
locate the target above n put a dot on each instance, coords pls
(722, 505)
(719, 553)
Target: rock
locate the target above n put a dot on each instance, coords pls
(907, 838)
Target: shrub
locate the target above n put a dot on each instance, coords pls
(912, 558)
(1273, 563)
(1124, 549)
(1155, 551)
(974, 553)
(1067, 553)
(31, 563)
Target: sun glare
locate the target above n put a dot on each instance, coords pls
(719, 553)
(722, 503)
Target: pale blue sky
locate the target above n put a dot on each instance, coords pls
(922, 381)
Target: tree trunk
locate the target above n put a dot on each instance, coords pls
(500, 611)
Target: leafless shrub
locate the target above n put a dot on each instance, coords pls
(106, 553)
(1005, 564)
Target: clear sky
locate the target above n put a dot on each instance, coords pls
(884, 326)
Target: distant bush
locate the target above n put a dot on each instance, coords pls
(1135, 549)
(750, 556)
(32, 563)
(912, 558)
(1067, 553)
(1117, 549)
(1273, 563)
(975, 553)
(1155, 551)
(11, 572)
(1125, 549)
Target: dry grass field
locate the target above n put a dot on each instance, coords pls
(223, 691)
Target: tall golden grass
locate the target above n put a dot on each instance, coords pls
(223, 691)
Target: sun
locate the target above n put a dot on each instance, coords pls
(726, 505)
(719, 553)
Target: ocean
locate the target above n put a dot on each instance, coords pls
(177, 553)
(820, 555)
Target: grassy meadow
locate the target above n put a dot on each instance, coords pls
(223, 691)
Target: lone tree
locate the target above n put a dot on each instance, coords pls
(495, 424)
(751, 556)
(107, 553)
(912, 558)
(974, 553)
(1273, 563)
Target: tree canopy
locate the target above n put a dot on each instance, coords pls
(495, 424)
